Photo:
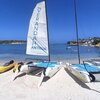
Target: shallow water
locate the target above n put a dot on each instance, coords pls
(60, 52)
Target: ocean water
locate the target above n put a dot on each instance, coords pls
(59, 52)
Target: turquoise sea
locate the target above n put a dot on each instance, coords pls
(60, 52)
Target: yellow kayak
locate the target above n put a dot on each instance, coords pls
(7, 66)
(17, 66)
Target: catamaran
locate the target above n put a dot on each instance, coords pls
(86, 72)
(38, 43)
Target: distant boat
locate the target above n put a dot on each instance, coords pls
(38, 43)
(68, 47)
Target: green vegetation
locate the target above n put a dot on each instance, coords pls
(96, 41)
(12, 41)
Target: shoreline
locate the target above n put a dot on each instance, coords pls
(97, 45)
(12, 41)
(64, 61)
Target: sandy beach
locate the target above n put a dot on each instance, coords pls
(34, 30)
(62, 86)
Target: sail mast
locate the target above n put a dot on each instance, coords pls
(77, 33)
(47, 30)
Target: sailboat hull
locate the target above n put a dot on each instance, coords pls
(93, 67)
(28, 69)
(79, 73)
(50, 68)
(51, 72)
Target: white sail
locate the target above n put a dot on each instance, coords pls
(37, 40)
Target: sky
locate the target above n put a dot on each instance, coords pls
(15, 16)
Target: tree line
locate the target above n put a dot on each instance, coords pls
(11, 41)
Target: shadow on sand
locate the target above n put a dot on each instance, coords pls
(19, 75)
(80, 82)
(36, 72)
(77, 80)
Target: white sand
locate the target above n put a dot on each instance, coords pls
(63, 86)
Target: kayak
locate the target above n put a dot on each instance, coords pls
(17, 66)
(25, 68)
(7, 66)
